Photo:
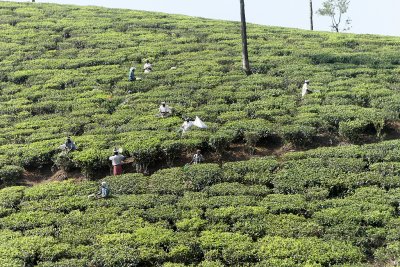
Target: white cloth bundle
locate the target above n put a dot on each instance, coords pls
(197, 122)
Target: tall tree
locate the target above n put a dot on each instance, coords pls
(245, 54)
(311, 16)
(335, 10)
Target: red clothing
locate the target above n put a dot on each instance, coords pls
(117, 169)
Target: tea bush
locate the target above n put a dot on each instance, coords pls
(10, 174)
(335, 210)
(64, 71)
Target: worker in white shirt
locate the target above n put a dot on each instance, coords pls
(305, 90)
(186, 125)
(147, 67)
(165, 110)
(116, 161)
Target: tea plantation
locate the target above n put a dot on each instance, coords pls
(64, 71)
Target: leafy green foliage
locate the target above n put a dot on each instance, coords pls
(63, 72)
(313, 210)
(9, 174)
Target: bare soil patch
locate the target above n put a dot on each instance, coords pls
(236, 152)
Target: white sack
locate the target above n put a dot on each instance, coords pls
(197, 122)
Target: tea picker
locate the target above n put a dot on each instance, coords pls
(69, 145)
(132, 77)
(147, 67)
(104, 191)
(305, 90)
(116, 161)
(188, 123)
(164, 110)
(197, 158)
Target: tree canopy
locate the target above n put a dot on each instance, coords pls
(335, 9)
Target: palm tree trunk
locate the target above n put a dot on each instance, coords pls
(245, 54)
(311, 17)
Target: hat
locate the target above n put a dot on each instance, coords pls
(307, 81)
(198, 150)
(103, 183)
(163, 103)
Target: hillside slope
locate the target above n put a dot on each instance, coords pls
(324, 207)
(64, 71)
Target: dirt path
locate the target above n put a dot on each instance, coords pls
(31, 178)
(236, 152)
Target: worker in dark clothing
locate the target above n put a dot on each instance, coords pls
(132, 74)
(197, 158)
